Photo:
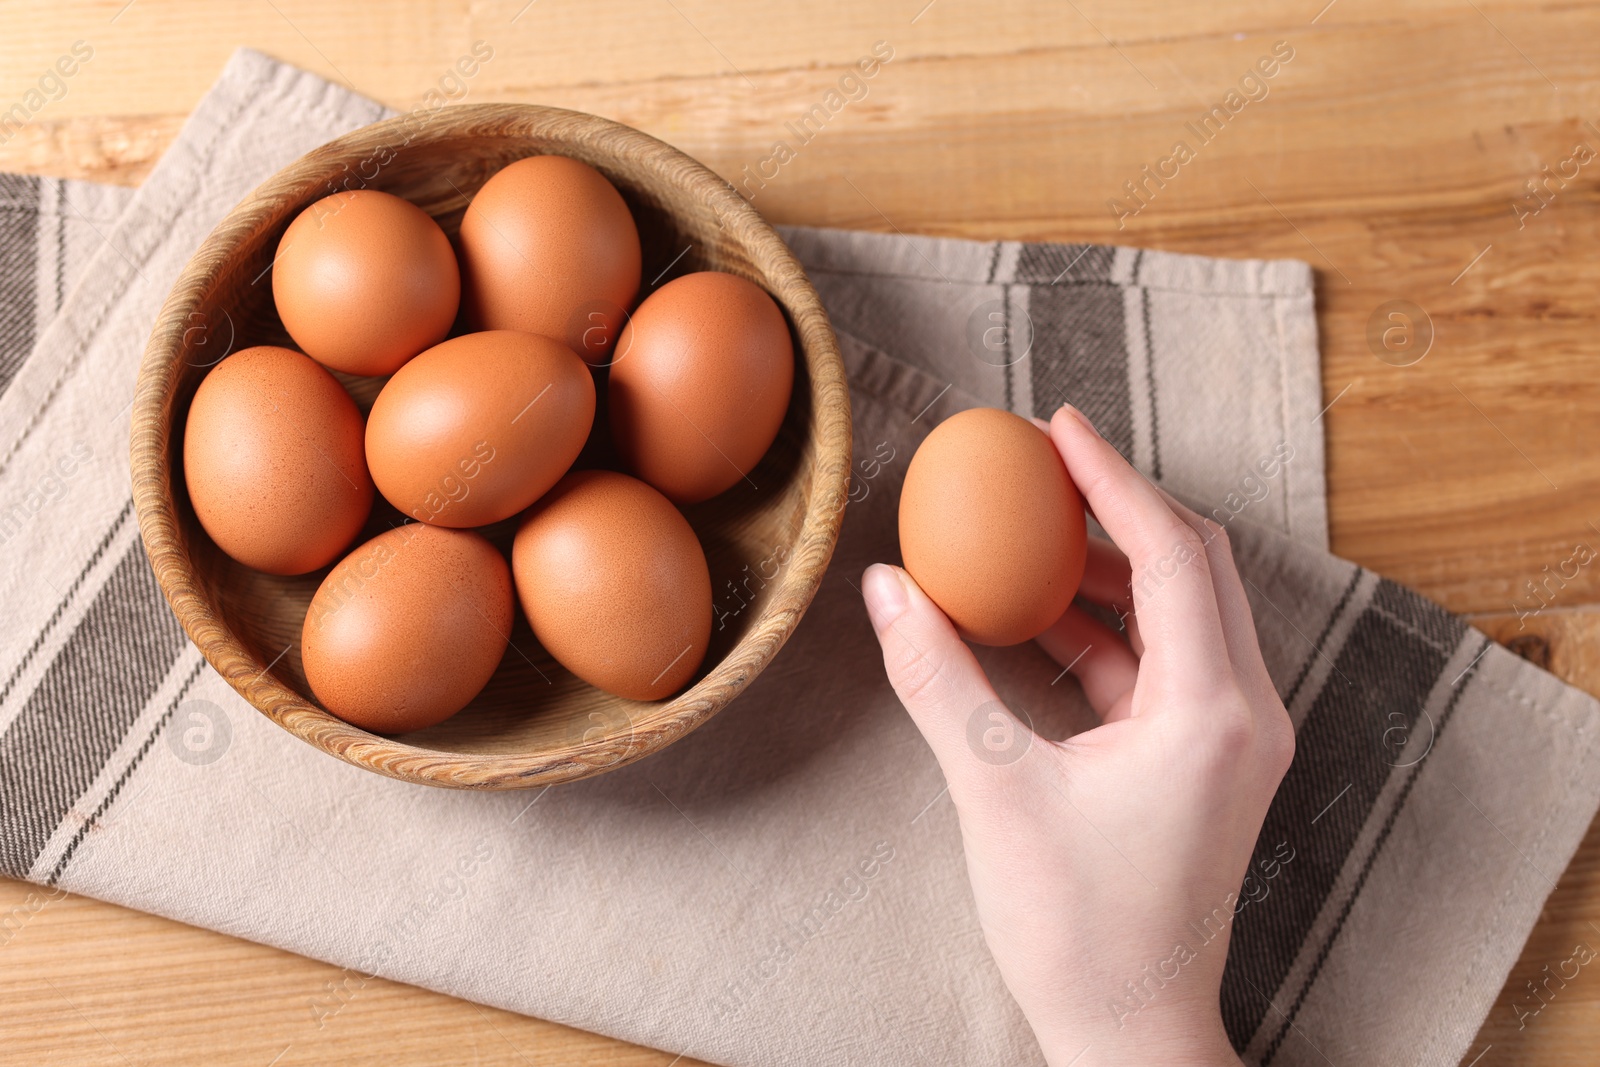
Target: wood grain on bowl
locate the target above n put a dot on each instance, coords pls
(534, 724)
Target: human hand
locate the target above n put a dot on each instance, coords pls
(1106, 867)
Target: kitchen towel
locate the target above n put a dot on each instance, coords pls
(786, 884)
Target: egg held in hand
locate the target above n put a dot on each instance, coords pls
(615, 584)
(991, 526)
(548, 246)
(364, 280)
(273, 461)
(477, 428)
(700, 384)
(408, 628)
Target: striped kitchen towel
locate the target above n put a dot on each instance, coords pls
(786, 884)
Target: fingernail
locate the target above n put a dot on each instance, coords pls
(885, 595)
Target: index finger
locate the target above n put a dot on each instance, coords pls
(1172, 590)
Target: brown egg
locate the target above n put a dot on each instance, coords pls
(700, 384)
(548, 246)
(477, 428)
(991, 526)
(364, 280)
(408, 628)
(615, 584)
(272, 456)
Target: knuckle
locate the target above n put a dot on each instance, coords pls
(1186, 538)
(1220, 555)
(1175, 545)
(915, 677)
(1238, 736)
(1217, 535)
(1101, 484)
(1280, 745)
(1225, 734)
(1168, 553)
(1233, 731)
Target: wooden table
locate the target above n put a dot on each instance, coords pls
(1391, 152)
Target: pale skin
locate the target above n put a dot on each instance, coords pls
(1093, 859)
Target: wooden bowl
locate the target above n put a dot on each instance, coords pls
(535, 724)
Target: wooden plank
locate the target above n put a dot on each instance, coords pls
(1388, 153)
(88, 983)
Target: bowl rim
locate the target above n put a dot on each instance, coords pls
(154, 471)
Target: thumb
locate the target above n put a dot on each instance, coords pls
(932, 670)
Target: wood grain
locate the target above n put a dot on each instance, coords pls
(92, 984)
(1388, 154)
(534, 724)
